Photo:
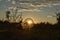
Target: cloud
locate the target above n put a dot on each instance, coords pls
(32, 5)
(9, 0)
(32, 1)
(31, 10)
(23, 9)
(37, 3)
(56, 4)
(13, 2)
(0, 0)
(49, 16)
(42, 5)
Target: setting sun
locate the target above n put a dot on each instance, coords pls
(29, 22)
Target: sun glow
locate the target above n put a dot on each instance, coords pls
(29, 22)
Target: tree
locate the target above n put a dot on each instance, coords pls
(7, 15)
(58, 18)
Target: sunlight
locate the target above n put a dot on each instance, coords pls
(29, 22)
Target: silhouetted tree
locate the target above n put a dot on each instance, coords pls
(58, 18)
(7, 15)
(57, 25)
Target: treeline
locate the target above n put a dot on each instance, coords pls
(5, 25)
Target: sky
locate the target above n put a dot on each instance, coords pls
(38, 10)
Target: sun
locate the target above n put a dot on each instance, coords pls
(29, 22)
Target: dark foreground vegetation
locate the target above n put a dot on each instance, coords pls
(42, 31)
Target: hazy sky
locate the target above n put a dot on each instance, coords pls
(38, 10)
